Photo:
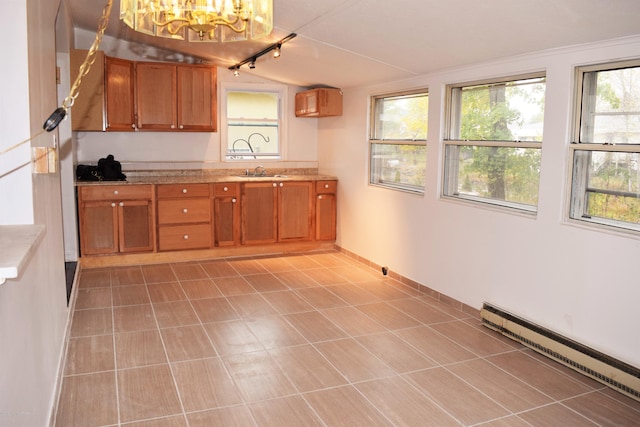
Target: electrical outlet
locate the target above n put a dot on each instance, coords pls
(385, 271)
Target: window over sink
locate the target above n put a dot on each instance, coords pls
(253, 116)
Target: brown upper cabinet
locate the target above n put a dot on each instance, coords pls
(320, 102)
(121, 95)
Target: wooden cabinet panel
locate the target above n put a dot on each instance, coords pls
(98, 228)
(181, 237)
(226, 211)
(320, 102)
(326, 210)
(178, 211)
(88, 112)
(116, 192)
(259, 219)
(196, 100)
(136, 225)
(295, 210)
(119, 84)
(156, 96)
(182, 190)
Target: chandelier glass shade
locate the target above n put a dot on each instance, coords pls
(200, 20)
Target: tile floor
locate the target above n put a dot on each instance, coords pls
(302, 340)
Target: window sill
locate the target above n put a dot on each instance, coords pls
(17, 245)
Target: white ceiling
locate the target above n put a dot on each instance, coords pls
(345, 43)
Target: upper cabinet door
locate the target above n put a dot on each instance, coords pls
(119, 84)
(197, 98)
(156, 96)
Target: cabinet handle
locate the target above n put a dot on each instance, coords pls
(121, 204)
(275, 185)
(319, 197)
(173, 126)
(233, 200)
(225, 189)
(181, 127)
(115, 192)
(185, 210)
(184, 191)
(185, 237)
(113, 205)
(281, 184)
(133, 125)
(326, 186)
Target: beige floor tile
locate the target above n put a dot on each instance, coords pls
(315, 327)
(147, 392)
(177, 313)
(404, 405)
(353, 321)
(388, 316)
(234, 285)
(344, 406)
(539, 375)
(420, 311)
(472, 338)
(257, 376)
(189, 271)
(266, 282)
(129, 295)
(296, 279)
(302, 262)
(233, 337)
(469, 405)
(93, 298)
(321, 298)
(395, 352)
(205, 384)
(325, 276)
(158, 273)
(173, 421)
(354, 361)
(231, 416)
(435, 346)
(383, 290)
(355, 273)
(186, 343)
(275, 264)
(200, 289)
(353, 294)
(287, 302)
(214, 310)
(306, 368)
(136, 349)
(555, 415)
(605, 411)
(503, 388)
(290, 411)
(275, 332)
(251, 305)
(508, 421)
(88, 400)
(124, 276)
(89, 354)
(218, 268)
(133, 318)
(166, 292)
(91, 322)
(247, 266)
(330, 259)
(95, 278)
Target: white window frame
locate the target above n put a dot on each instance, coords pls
(579, 162)
(452, 142)
(281, 90)
(374, 140)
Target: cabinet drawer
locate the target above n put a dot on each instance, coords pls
(178, 237)
(226, 189)
(115, 192)
(166, 191)
(326, 186)
(177, 211)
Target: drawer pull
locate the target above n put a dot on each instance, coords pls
(184, 191)
(281, 184)
(275, 185)
(185, 210)
(185, 237)
(121, 204)
(225, 189)
(326, 186)
(319, 197)
(115, 192)
(234, 200)
(113, 205)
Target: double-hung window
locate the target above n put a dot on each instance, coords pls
(493, 140)
(252, 123)
(398, 141)
(606, 146)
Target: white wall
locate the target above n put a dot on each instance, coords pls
(578, 281)
(33, 309)
(187, 149)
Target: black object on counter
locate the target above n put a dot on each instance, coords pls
(108, 169)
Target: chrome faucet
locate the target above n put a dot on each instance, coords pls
(262, 172)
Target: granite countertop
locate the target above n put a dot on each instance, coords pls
(211, 176)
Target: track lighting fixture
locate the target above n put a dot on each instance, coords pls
(276, 48)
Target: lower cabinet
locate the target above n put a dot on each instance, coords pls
(259, 222)
(184, 217)
(325, 210)
(295, 211)
(226, 214)
(116, 219)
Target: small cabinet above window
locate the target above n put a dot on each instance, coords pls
(320, 102)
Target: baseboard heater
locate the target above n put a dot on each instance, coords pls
(605, 369)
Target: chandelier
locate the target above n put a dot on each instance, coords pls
(200, 20)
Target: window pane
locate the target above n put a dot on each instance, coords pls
(252, 105)
(252, 125)
(612, 188)
(398, 165)
(401, 117)
(497, 174)
(611, 107)
(509, 111)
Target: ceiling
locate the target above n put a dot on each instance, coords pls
(346, 43)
